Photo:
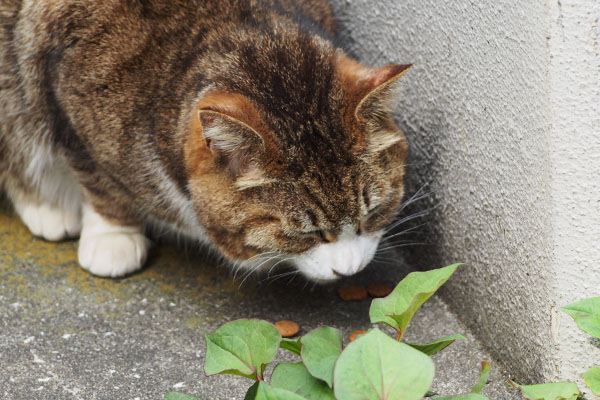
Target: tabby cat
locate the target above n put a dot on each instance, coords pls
(237, 123)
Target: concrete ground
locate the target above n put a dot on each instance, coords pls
(65, 334)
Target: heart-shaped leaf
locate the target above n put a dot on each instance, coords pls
(549, 391)
(437, 345)
(293, 345)
(179, 396)
(295, 378)
(398, 308)
(592, 379)
(262, 391)
(320, 350)
(586, 314)
(376, 366)
(243, 347)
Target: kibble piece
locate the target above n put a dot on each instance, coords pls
(354, 334)
(352, 293)
(287, 328)
(379, 289)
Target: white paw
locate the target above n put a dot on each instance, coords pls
(113, 254)
(109, 249)
(49, 222)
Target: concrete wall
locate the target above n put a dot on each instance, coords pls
(502, 118)
(575, 154)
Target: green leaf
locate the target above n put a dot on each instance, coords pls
(430, 394)
(586, 314)
(179, 396)
(592, 379)
(549, 391)
(376, 366)
(437, 345)
(398, 308)
(252, 391)
(295, 378)
(468, 396)
(486, 368)
(243, 347)
(291, 345)
(320, 350)
(262, 391)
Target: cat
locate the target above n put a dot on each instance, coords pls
(237, 123)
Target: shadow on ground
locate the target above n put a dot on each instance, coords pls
(65, 334)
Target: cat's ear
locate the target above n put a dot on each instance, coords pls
(235, 135)
(368, 92)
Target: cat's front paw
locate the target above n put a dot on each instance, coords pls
(113, 254)
(109, 249)
(49, 222)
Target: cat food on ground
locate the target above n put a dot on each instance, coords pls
(379, 289)
(354, 334)
(287, 328)
(352, 293)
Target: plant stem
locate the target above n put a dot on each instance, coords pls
(400, 334)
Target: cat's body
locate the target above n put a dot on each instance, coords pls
(236, 123)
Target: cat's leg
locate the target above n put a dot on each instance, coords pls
(110, 248)
(46, 220)
(48, 200)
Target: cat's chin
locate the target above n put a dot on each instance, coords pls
(331, 261)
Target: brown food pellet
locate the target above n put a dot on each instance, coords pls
(287, 328)
(354, 334)
(379, 289)
(352, 293)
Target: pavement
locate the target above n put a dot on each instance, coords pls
(65, 334)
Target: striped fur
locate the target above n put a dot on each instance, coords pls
(238, 123)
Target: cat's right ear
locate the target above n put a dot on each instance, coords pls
(235, 136)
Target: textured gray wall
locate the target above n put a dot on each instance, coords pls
(574, 43)
(476, 112)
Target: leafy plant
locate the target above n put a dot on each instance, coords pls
(586, 314)
(592, 379)
(320, 351)
(399, 307)
(296, 378)
(374, 366)
(437, 345)
(242, 347)
(549, 391)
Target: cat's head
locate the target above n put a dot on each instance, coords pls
(300, 163)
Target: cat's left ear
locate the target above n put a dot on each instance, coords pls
(365, 87)
(368, 92)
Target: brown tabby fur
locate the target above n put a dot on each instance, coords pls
(117, 87)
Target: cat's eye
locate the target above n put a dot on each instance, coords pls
(373, 210)
(317, 234)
